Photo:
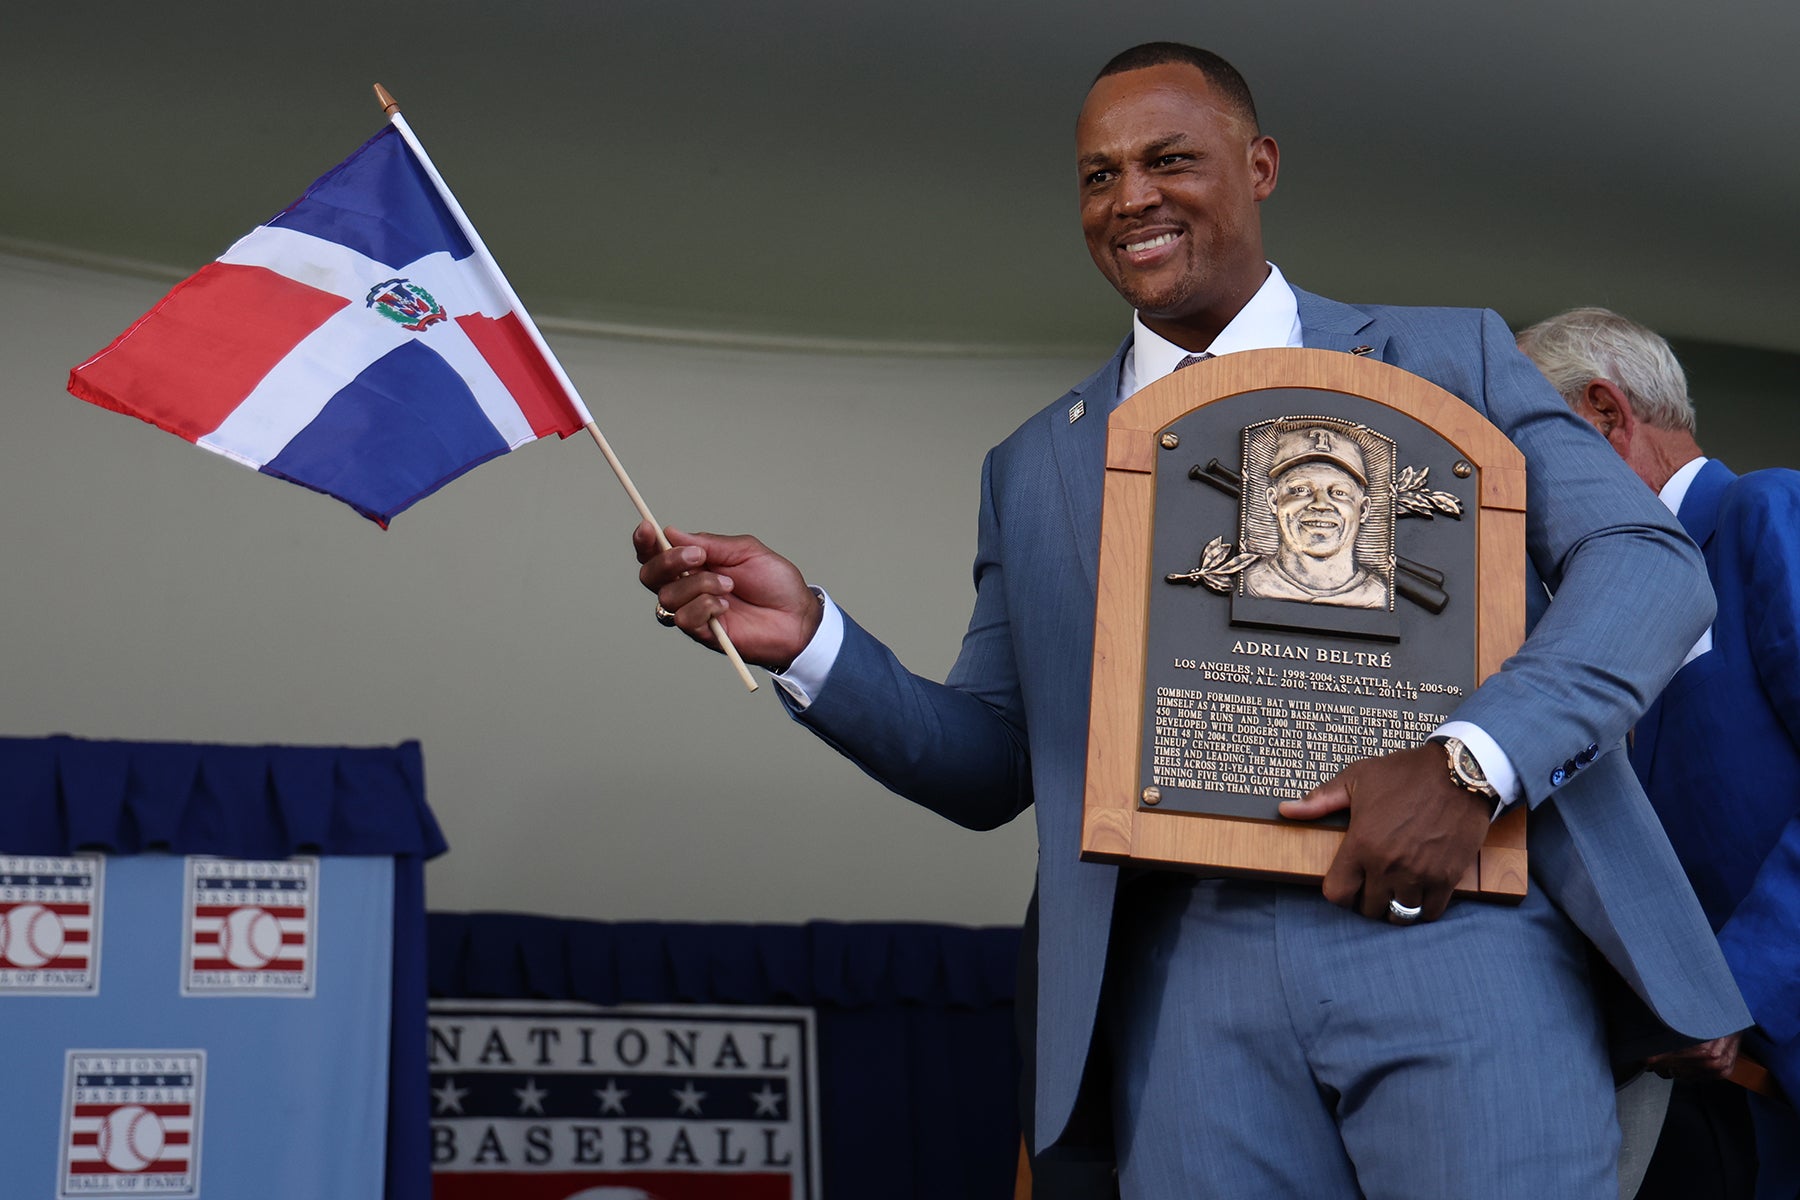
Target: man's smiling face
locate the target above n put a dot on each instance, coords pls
(1170, 180)
(1318, 509)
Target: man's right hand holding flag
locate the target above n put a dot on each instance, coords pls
(758, 596)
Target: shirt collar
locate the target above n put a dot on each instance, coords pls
(1676, 490)
(1270, 319)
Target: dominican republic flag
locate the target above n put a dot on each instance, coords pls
(355, 344)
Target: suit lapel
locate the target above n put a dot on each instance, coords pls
(1700, 507)
(1328, 325)
(1080, 450)
(1699, 516)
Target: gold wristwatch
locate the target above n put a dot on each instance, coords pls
(1465, 771)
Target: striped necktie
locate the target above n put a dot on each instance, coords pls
(1081, 405)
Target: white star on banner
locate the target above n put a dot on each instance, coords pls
(449, 1098)
(768, 1101)
(531, 1098)
(687, 1099)
(612, 1098)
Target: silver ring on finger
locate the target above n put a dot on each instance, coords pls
(664, 616)
(1406, 914)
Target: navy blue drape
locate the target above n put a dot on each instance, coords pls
(61, 795)
(918, 1068)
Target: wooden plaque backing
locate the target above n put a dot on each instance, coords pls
(1117, 826)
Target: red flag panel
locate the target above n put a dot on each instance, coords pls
(188, 362)
(509, 350)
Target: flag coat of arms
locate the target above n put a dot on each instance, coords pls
(356, 344)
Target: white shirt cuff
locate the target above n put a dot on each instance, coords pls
(805, 676)
(1495, 765)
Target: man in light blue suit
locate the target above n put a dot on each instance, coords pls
(1719, 750)
(1369, 1039)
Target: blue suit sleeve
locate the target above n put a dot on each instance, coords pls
(1761, 939)
(1630, 591)
(957, 747)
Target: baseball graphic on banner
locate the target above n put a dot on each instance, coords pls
(131, 1138)
(31, 936)
(249, 938)
(250, 926)
(50, 925)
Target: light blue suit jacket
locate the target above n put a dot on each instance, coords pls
(1008, 728)
(1719, 751)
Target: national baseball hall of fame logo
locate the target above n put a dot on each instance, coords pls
(534, 1101)
(250, 927)
(50, 925)
(131, 1123)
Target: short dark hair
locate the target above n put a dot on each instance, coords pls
(1221, 74)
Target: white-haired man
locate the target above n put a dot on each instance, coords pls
(1719, 751)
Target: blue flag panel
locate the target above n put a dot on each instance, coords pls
(403, 428)
(379, 203)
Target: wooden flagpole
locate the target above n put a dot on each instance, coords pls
(392, 108)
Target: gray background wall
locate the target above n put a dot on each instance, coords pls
(806, 265)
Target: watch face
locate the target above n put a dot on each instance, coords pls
(1467, 767)
(1466, 770)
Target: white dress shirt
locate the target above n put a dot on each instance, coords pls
(1672, 494)
(1676, 490)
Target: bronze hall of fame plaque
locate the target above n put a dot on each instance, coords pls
(1307, 558)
